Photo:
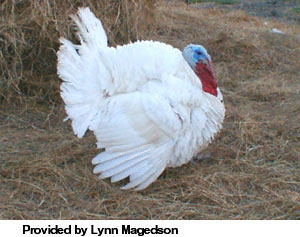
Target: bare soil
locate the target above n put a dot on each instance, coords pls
(285, 10)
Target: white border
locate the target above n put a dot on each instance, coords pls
(185, 228)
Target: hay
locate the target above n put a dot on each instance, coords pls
(46, 172)
(29, 32)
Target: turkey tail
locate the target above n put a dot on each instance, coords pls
(84, 76)
(90, 29)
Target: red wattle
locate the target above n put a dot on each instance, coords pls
(207, 76)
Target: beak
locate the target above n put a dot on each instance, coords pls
(209, 65)
(207, 62)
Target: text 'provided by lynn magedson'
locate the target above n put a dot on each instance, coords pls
(98, 231)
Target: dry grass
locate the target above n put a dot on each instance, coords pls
(29, 32)
(46, 173)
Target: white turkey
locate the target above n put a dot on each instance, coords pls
(149, 105)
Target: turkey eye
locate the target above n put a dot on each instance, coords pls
(199, 53)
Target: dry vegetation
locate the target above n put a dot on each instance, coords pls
(46, 172)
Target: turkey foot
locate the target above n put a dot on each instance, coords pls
(202, 156)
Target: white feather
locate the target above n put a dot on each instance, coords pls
(143, 101)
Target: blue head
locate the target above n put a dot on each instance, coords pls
(193, 54)
(200, 61)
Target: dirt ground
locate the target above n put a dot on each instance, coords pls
(285, 10)
(254, 173)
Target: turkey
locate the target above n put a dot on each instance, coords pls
(149, 105)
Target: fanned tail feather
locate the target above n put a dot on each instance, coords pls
(82, 71)
(90, 29)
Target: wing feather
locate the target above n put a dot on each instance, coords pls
(135, 139)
